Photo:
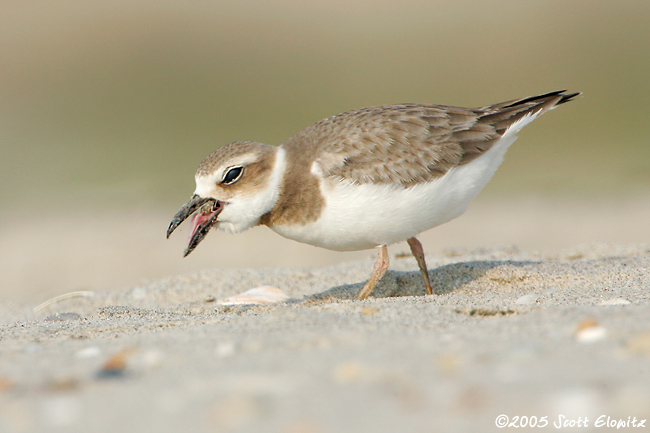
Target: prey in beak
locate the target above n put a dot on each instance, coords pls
(205, 210)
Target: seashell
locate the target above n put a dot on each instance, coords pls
(590, 331)
(65, 296)
(369, 311)
(115, 366)
(88, 352)
(256, 296)
(615, 301)
(530, 298)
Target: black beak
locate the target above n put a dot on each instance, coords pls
(202, 222)
(185, 211)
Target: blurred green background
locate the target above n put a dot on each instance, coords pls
(115, 103)
(106, 109)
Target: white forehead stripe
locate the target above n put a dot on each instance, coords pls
(205, 183)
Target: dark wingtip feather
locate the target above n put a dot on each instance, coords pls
(564, 98)
(569, 97)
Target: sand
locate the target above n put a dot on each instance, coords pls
(100, 249)
(530, 335)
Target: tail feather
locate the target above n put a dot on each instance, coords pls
(501, 116)
(560, 95)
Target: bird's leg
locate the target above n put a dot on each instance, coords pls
(380, 269)
(418, 253)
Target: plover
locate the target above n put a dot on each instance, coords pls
(361, 179)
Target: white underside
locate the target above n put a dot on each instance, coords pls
(358, 217)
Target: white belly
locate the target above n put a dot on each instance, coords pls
(358, 217)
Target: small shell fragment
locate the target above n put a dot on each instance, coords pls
(64, 297)
(615, 301)
(115, 366)
(256, 296)
(590, 331)
(530, 298)
(369, 311)
(88, 352)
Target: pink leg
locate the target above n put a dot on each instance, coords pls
(418, 253)
(380, 269)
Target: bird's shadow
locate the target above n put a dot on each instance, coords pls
(444, 279)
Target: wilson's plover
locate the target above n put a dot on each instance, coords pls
(361, 179)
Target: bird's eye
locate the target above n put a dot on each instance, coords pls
(232, 175)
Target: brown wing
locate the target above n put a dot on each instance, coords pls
(411, 143)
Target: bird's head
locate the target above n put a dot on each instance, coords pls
(235, 186)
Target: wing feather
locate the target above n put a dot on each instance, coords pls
(410, 143)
